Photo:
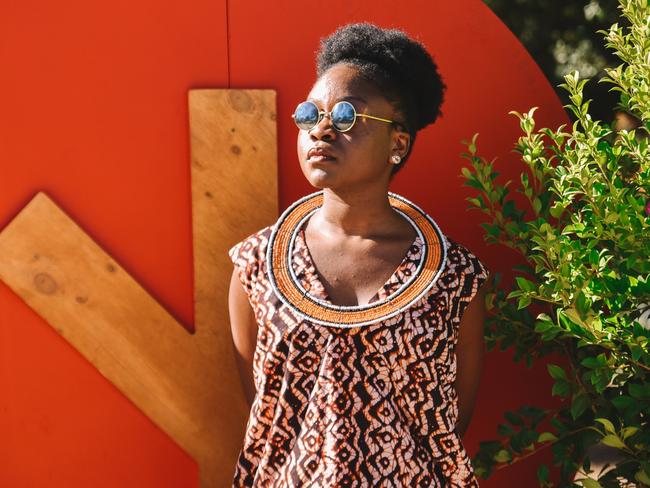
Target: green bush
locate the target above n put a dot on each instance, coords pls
(584, 289)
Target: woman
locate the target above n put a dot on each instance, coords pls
(346, 313)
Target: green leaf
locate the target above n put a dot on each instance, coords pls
(505, 430)
(609, 427)
(573, 315)
(629, 432)
(503, 456)
(492, 230)
(509, 209)
(642, 477)
(590, 483)
(613, 440)
(638, 391)
(579, 404)
(590, 363)
(543, 326)
(623, 402)
(523, 302)
(525, 284)
(475, 201)
(637, 351)
(582, 304)
(556, 372)
(472, 183)
(513, 418)
(560, 388)
(547, 437)
(542, 474)
(556, 210)
(471, 147)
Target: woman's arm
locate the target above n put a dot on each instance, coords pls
(244, 334)
(469, 357)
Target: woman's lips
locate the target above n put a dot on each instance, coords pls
(320, 158)
(319, 153)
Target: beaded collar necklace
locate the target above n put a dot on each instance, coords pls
(290, 291)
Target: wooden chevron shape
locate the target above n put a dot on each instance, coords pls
(186, 383)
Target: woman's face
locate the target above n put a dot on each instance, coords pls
(361, 155)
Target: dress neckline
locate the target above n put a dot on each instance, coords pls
(304, 303)
(310, 278)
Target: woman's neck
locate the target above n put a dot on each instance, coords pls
(365, 214)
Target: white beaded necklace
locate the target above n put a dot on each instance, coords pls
(290, 291)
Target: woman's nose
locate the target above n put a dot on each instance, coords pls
(324, 129)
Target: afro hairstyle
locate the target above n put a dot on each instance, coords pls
(398, 65)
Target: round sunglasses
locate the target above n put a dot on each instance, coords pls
(343, 116)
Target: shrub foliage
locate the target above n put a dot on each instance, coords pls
(581, 223)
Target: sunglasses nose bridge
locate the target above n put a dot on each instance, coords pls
(322, 114)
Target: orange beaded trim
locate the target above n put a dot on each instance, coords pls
(290, 292)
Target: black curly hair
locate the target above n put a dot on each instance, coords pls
(398, 65)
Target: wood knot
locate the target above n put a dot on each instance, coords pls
(241, 101)
(45, 284)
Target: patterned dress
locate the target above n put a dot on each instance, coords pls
(367, 406)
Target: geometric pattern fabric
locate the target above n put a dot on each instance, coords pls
(363, 406)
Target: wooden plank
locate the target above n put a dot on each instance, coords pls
(234, 193)
(187, 384)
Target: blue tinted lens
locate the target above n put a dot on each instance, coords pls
(306, 115)
(343, 116)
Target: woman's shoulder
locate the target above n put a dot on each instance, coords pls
(248, 257)
(463, 277)
(253, 246)
(462, 259)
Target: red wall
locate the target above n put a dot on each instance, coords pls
(93, 111)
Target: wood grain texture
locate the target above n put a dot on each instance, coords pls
(186, 383)
(234, 193)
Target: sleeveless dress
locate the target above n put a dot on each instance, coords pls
(367, 406)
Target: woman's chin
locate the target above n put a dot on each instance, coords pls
(320, 183)
(321, 177)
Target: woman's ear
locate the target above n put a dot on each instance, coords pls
(401, 143)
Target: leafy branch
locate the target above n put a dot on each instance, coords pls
(584, 290)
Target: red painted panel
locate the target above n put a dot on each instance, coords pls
(62, 425)
(94, 112)
(93, 101)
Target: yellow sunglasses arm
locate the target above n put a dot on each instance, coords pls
(375, 118)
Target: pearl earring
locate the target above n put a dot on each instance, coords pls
(395, 159)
